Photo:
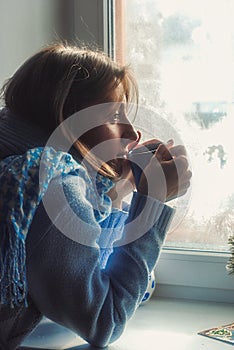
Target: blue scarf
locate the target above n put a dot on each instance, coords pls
(21, 191)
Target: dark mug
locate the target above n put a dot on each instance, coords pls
(140, 157)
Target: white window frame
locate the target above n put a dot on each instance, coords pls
(92, 23)
(197, 275)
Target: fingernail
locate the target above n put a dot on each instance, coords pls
(170, 142)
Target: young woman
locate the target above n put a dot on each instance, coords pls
(70, 249)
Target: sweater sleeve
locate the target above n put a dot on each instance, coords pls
(111, 231)
(65, 278)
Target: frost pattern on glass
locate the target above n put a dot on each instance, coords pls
(182, 53)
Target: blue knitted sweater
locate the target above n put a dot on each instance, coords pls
(87, 271)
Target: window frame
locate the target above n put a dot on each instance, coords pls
(180, 273)
(197, 275)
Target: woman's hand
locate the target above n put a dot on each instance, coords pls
(123, 186)
(126, 184)
(166, 176)
(163, 175)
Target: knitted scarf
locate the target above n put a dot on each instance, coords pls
(21, 190)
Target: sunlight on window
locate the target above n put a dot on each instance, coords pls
(182, 53)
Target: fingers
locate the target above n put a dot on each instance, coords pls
(148, 142)
(181, 162)
(166, 174)
(163, 153)
(170, 143)
(177, 175)
(168, 151)
(178, 150)
(184, 174)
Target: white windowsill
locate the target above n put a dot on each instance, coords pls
(162, 324)
(194, 275)
(167, 324)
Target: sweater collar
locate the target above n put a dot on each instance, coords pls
(17, 135)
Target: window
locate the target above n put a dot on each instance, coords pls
(182, 57)
(182, 53)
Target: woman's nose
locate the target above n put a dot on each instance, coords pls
(129, 131)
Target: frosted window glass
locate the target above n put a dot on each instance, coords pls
(182, 53)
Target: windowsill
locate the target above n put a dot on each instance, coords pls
(168, 324)
(194, 275)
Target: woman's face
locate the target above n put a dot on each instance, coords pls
(111, 138)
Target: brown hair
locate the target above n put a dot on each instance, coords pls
(60, 80)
